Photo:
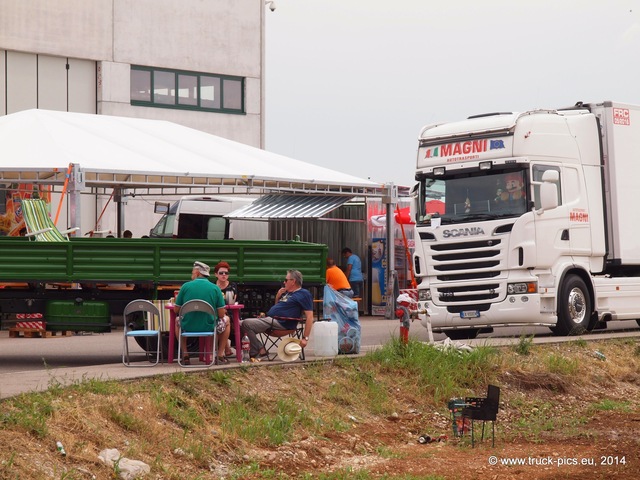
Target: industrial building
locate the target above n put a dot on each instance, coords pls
(196, 63)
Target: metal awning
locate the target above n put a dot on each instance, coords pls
(289, 207)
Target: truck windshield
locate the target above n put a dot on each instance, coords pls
(164, 228)
(473, 197)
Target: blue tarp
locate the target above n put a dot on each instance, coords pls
(344, 311)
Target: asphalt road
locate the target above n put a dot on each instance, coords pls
(36, 363)
(25, 354)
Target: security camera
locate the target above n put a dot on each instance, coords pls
(272, 5)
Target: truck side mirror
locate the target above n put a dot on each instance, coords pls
(549, 191)
(161, 207)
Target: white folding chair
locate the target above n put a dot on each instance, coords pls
(151, 330)
(204, 336)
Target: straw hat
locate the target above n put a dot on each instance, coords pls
(289, 349)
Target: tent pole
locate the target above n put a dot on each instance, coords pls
(76, 184)
(64, 192)
(390, 200)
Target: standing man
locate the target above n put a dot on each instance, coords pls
(337, 279)
(354, 271)
(292, 303)
(199, 288)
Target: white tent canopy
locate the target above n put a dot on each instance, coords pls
(38, 146)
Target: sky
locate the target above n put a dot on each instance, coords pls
(350, 83)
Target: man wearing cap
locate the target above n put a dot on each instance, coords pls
(199, 288)
(293, 304)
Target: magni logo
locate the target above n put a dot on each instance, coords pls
(464, 148)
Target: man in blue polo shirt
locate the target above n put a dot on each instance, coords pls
(354, 271)
(293, 304)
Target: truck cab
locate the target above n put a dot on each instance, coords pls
(203, 217)
(510, 223)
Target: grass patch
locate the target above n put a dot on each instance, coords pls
(29, 413)
(607, 404)
(523, 347)
(440, 374)
(306, 422)
(263, 424)
(560, 364)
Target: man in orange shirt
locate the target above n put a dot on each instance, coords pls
(337, 279)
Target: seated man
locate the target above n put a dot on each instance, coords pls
(337, 279)
(199, 288)
(292, 303)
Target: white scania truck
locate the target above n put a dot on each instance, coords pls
(529, 219)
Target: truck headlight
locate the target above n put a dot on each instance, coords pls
(424, 295)
(522, 288)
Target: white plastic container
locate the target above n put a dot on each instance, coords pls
(324, 339)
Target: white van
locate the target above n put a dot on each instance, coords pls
(203, 217)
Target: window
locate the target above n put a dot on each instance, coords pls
(209, 92)
(537, 171)
(469, 197)
(232, 94)
(141, 85)
(164, 88)
(217, 228)
(186, 90)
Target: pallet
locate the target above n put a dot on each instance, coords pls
(36, 333)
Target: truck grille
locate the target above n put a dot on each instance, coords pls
(455, 263)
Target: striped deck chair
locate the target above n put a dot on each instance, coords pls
(39, 224)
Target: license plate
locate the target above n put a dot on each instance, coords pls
(470, 314)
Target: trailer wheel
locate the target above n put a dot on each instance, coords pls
(574, 307)
(462, 334)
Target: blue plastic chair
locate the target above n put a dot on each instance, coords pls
(152, 324)
(199, 306)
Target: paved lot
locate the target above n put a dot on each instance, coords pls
(28, 364)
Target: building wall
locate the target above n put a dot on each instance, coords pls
(44, 81)
(76, 55)
(209, 36)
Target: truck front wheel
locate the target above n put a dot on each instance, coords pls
(574, 307)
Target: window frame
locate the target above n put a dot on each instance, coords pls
(198, 106)
(537, 169)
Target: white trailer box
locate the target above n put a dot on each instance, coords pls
(621, 156)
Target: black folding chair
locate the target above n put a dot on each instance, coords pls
(485, 409)
(272, 337)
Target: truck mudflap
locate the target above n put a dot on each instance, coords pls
(514, 310)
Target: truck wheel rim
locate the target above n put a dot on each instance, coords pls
(576, 306)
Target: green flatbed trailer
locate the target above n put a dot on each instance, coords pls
(119, 270)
